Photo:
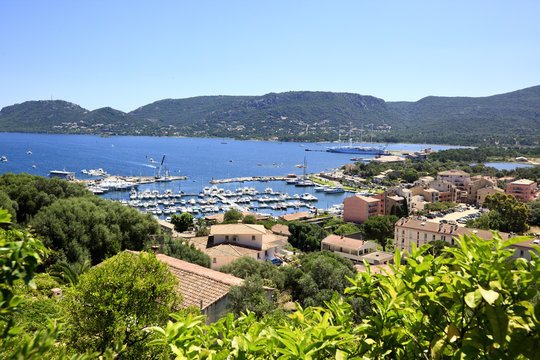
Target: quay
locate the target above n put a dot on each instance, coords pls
(139, 180)
(249, 178)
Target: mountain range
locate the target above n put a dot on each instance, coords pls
(511, 118)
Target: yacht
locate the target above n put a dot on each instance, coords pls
(3, 159)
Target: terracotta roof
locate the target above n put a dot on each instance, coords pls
(348, 242)
(528, 244)
(296, 216)
(198, 283)
(281, 229)
(365, 198)
(237, 229)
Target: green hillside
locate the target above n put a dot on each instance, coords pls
(301, 115)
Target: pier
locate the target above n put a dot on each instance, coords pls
(249, 178)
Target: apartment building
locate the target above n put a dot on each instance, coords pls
(458, 178)
(524, 190)
(410, 231)
(359, 208)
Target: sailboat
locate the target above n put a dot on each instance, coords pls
(304, 181)
(166, 177)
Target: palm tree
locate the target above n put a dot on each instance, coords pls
(66, 273)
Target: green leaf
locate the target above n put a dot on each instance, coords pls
(489, 295)
(437, 348)
(473, 298)
(499, 323)
(452, 333)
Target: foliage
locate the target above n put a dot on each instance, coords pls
(232, 216)
(437, 247)
(321, 274)
(246, 266)
(346, 229)
(116, 301)
(182, 222)
(69, 274)
(81, 228)
(379, 228)
(183, 250)
(409, 175)
(249, 219)
(29, 193)
(20, 253)
(513, 213)
(472, 304)
(306, 237)
(534, 217)
(250, 296)
(440, 206)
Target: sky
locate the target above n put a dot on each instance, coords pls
(126, 54)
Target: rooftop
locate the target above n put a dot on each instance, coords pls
(348, 242)
(453, 172)
(453, 230)
(365, 198)
(296, 216)
(237, 229)
(522, 182)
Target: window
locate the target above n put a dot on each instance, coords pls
(253, 237)
(235, 238)
(433, 237)
(226, 237)
(265, 252)
(214, 260)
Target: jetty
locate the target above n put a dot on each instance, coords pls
(249, 178)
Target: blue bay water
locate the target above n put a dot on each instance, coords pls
(200, 159)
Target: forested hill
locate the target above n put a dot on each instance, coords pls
(309, 116)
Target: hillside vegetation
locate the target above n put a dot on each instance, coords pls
(302, 116)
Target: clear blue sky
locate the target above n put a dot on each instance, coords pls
(126, 54)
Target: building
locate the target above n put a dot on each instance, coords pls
(349, 248)
(447, 190)
(229, 242)
(524, 190)
(359, 208)
(299, 216)
(479, 182)
(204, 288)
(458, 178)
(482, 193)
(424, 180)
(389, 201)
(409, 231)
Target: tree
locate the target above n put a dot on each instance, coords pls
(534, 217)
(346, 229)
(379, 228)
(66, 273)
(250, 296)
(232, 216)
(183, 250)
(306, 237)
(182, 222)
(409, 175)
(116, 301)
(247, 266)
(249, 219)
(80, 228)
(514, 214)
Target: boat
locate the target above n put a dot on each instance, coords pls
(29, 152)
(3, 159)
(353, 149)
(304, 181)
(334, 190)
(320, 188)
(62, 174)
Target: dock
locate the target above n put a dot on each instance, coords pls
(249, 178)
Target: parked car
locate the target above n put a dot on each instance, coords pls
(276, 261)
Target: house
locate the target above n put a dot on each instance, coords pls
(524, 190)
(458, 178)
(229, 242)
(359, 208)
(482, 193)
(204, 288)
(447, 190)
(408, 231)
(349, 248)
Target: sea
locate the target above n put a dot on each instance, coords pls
(199, 159)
